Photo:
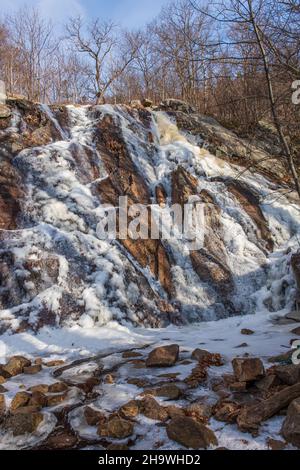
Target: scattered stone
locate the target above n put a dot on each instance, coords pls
(57, 387)
(238, 387)
(212, 359)
(54, 363)
(119, 428)
(251, 417)
(130, 410)
(242, 345)
(153, 410)
(141, 383)
(175, 411)
(2, 404)
(130, 354)
(26, 410)
(88, 386)
(248, 369)
(38, 361)
(20, 399)
(164, 356)
(291, 426)
(138, 363)
(61, 441)
(5, 111)
(23, 423)
(2, 389)
(296, 331)
(54, 400)
(199, 411)
(15, 365)
(38, 399)
(31, 370)
(226, 411)
(94, 417)
(109, 379)
(190, 433)
(246, 331)
(288, 374)
(43, 388)
(275, 444)
(169, 391)
(117, 447)
(3, 374)
(295, 316)
(171, 375)
(267, 382)
(285, 357)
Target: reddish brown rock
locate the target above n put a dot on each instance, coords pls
(248, 369)
(268, 382)
(275, 444)
(164, 356)
(53, 400)
(54, 363)
(43, 388)
(38, 399)
(117, 428)
(247, 332)
(16, 365)
(226, 411)
(57, 387)
(20, 399)
(23, 423)
(60, 441)
(153, 410)
(190, 433)
(169, 391)
(199, 411)
(131, 354)
(93, 417)
(291, 426)
(31, 370)
(130, 410)
(288, 374)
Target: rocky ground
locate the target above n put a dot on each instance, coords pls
(167, 397)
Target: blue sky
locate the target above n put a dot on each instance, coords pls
(129, 13)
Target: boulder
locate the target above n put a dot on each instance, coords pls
(169, 391)
(296, 331)
(31, 370)
(16, 365)
(5, 111)
(288, 374)
(190, 433)
(57, 387)
(20, 399)
(163, 356)
(93, 417)
(130, 410)
(131, 354)
(267, 382)
(54, 400)
(226, 411)
(119, 428)
(153, 410)
(199, 411)
(60, 441)
(43, 388)
(248, 369)
(291, 426)
(201, 354)
(275, 444)
(23, 423)
(38, 399)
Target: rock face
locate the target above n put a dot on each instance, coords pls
(291, 426)
(248, 369)
(190, 433)
(165, 356)
(59, 163)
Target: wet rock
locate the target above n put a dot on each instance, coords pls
(118, 428)
(109, 379)
(267, 382)
(38, 399)
(115, 446)
(43, 388)
(285, 357)
(275, 444)
(199, 411)
(296, 331)
(295, 316)
(130, 410)
(160, 195)
(288, 374)
(5, 111)
(141, 383)
(247, 332)
(248, 369)
(23, 423)
(54, 363)
(226, 411)
(169, 391)
(28, 409)
(88, 386)
(291, 426)
(93, 417)
(190, 433)
(131, 354)
(238, 387)
(175, 411)
(31, 370)
(2, 404)
(164, 356)
(20, 399)
(54, 400)
(152, 409)
(2, 389)
(60, 441)
(15, 365)
(138, 363)
(2, 380)
(177, 105)
(57, 387)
